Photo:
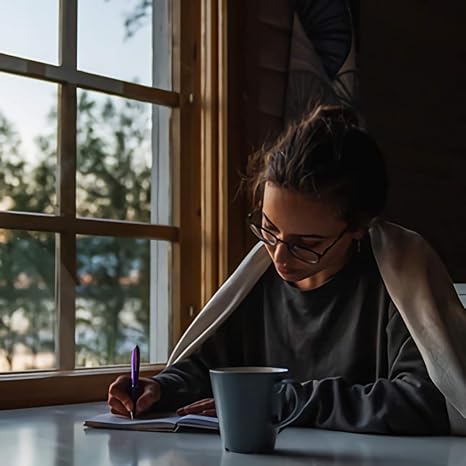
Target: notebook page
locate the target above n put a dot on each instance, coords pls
(194, 420)
(113, 421)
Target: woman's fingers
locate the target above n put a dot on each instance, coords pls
(209, 412)
(197, 407)
(149, 396)
(117, 408)
(118, 394)
(203, 402)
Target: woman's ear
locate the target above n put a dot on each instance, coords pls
(358, 234)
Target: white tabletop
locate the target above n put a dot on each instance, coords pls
(55, 436)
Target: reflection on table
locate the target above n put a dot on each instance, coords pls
(55, 436)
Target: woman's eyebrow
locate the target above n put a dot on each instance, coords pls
(315, 236)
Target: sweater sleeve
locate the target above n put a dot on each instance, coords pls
(406, 402)
(189, 380)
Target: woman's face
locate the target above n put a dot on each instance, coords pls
(309, 222)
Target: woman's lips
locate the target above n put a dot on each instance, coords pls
(285, 270)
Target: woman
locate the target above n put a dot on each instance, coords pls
(319, 305)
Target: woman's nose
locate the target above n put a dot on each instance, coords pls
(281, 253)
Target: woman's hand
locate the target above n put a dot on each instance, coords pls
(119, 398)
(205, 407)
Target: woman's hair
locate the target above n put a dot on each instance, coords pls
(327, 156)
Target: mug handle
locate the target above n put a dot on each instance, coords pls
(299, 401)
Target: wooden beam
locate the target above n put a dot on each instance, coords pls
(188, 205)
(213, 147)
(209, 149)
(223, 154)
(64, 75)
(87, 226)
(65, 259)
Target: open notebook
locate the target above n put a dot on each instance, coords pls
(166, 423)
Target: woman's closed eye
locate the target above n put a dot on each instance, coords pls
(308, 244)
(270, 227)
(300, 243)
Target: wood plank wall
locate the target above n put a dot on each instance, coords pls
(257, 63)
(413, 75)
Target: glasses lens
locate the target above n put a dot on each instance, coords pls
(268, 237)
(262, 234)
(305, 255)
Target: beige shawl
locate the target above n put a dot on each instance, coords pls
(418, 285)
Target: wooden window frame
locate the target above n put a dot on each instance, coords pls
(199, 83)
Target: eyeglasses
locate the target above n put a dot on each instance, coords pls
(300, 252)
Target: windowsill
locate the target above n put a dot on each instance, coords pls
(42, 388)
(85, 371)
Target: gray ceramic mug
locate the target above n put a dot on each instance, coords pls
(249, 402)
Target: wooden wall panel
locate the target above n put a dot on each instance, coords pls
(412, 75)
(413, 70)
(257, 63)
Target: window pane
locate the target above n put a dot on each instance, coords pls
(113, 299)
(461, 290)
(114, 157)
(28, 144)
(29, 29)
(27, 300)
(114, 39)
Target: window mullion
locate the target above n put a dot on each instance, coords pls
(68, 34)
(187, 169)
(66, 244)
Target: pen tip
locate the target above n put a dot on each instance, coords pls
(131, 415)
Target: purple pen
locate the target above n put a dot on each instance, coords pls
(135, 361)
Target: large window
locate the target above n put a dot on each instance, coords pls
(100, 181)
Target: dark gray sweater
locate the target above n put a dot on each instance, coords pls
(345, 341)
